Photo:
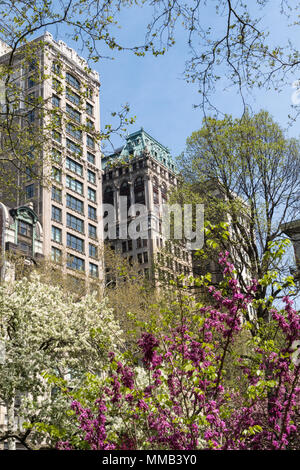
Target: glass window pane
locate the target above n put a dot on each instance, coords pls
(56, 234)
(74, 203)
(91, 158)
(75, 223)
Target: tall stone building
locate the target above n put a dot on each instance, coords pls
(69, 208)
(142, 171)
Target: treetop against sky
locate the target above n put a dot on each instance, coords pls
(227, 52)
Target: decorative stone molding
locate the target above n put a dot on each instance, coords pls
(71, 55)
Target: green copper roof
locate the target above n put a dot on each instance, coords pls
(136, 144)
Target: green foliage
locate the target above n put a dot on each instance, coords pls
(246, 173)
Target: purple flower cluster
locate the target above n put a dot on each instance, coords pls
(188, 402)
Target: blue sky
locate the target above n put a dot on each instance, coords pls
(161, 99)
(157, 93)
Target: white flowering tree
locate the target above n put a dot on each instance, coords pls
(46, 332)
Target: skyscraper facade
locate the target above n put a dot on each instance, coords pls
(68, 199)
(142, 173)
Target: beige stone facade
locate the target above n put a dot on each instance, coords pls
(143, 171)
(69, 208)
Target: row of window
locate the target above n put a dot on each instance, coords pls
(75, 166)
(74, 262)
(56, 232)
(143, 257)
(72, 96)
(56, 214)
(72, 112)
(138, 190)
(170, 263)
(72, 146)
(75, 184)
(70, 78)
(128, 245)
(124, 170)
(168, 276)
(135, 166)
(179, 253)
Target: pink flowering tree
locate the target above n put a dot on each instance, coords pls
(182, 398)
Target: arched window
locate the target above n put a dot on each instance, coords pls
(139, 190)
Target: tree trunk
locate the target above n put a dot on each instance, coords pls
(11, 427)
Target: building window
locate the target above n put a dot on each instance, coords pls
(145, 256)
(56, 213)
(91, 176)
(56, 121)
(56, 254)
(74, 184)
(56, 194)
(129, 245)
(29, 191)
(92, 231)
(73, 131)
(56, 234)
(73, 97)
(56, 68)
(73, 81)
(56, 174)
(92, 251)
(90, 142)
(92, 194)
(108, 196)
(124, 247)
(75, 243)
(24, 229)
(74, 262)
(140, 258)
(74, 203)
(56, 155)
(89, 109)
(55, 101)
(73, 113)
(139, 243)
(125, 191)
(75, 223)
(90, 125)
(31, 116)
(93, 270)
(31, 82)
(56, 85)
(74, 147)
(92, 213)
(74, 166)
(29, 173)
(89, 93)
(91, 158)
(56, 136)
(139, 190)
